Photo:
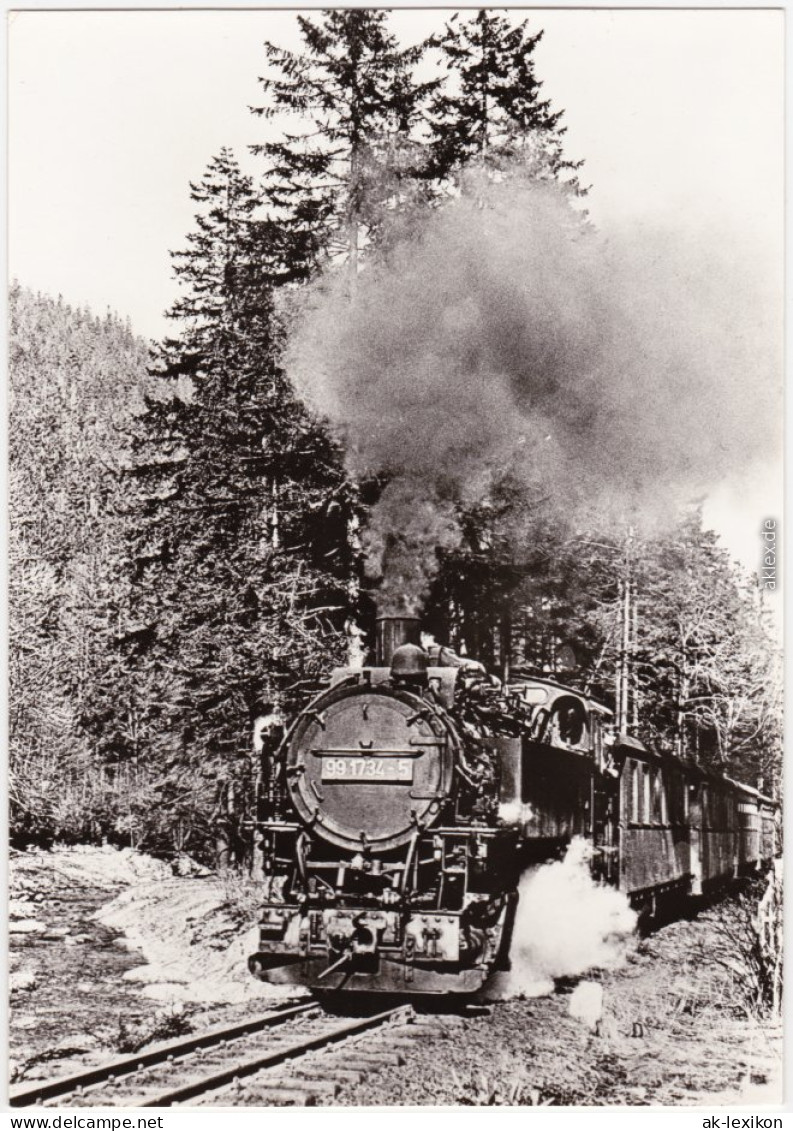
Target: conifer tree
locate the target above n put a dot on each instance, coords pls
(241, 556)
(490, 117)
(347, 157)
(488, 123)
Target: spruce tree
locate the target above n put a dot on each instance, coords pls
(241, 556)
(489, 123)
(346, 158)
(490, 117)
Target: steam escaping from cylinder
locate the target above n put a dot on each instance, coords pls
(565, 924)
(609, 376)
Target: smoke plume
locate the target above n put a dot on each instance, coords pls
(608, 373)
(565, 925)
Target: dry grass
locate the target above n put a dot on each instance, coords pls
(171, 1020)
(243, 898)
(748, 946)
(495, 1090)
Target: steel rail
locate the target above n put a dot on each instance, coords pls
(157, 1054)
(271, 1060)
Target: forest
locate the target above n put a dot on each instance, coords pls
(375, 394)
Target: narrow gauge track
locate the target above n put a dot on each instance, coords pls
(232, 1065)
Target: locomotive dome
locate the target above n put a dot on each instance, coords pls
(410, 662)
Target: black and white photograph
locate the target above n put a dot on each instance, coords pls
(395, 545)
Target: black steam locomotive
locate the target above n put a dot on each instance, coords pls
(406, 800)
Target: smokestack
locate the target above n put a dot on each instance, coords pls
(392, 633)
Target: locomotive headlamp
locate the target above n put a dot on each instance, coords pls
(361, 863)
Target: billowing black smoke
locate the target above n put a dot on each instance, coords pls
(617, 372)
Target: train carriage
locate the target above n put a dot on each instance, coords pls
(757, 816)
(769, 820)
(655, 849)
(747, 804)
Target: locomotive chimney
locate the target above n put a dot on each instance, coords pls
(392, 633)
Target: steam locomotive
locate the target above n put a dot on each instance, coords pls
(396, 818)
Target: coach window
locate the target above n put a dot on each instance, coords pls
(625, 793)
(646, 799)
(634, 768)
(637, 792)
(657, 815)
(672, 797)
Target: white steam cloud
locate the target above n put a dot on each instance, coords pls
(566, 924)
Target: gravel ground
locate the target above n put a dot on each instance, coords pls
(68, 991)
(108, 951)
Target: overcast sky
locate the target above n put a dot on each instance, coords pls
(678, 115)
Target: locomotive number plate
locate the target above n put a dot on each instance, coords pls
(367, 769)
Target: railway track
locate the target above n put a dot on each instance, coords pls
(298, 1055)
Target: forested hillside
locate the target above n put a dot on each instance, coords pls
(76, 383)
(197, 536)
